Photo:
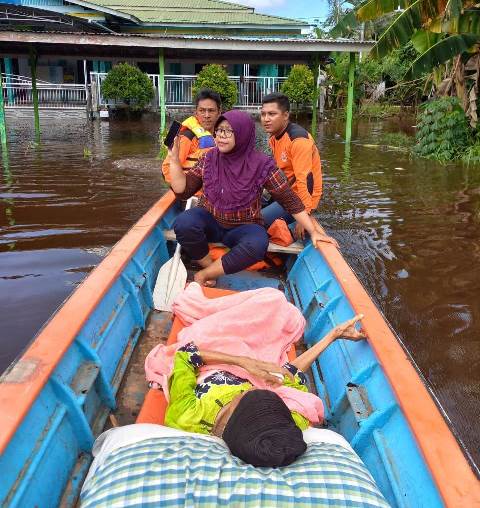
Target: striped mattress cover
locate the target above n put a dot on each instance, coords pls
(147, 465)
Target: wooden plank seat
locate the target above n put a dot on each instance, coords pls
(155, 403)
(294, 248)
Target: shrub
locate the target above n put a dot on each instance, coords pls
(397, 139)
(442, 130)
(129, 84)
(298, 87)
(375, 110)
(215, 77)
(472, 154)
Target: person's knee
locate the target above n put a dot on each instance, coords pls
(188, 221)
(256, 245)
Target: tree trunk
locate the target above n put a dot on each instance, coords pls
(459, 79)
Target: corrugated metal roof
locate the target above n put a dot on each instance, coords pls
(176, 4)
(32, 19)
(279, 40)
(193, 12)
(203, 17)
(255, 48)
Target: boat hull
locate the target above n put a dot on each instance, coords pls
(56, 398)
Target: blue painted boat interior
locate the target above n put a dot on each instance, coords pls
(50, 454)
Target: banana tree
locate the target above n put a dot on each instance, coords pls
(441, 31)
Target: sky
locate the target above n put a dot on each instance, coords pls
(304, 9)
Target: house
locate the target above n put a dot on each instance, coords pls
(207, 18)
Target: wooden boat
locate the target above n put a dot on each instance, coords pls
(57, 397)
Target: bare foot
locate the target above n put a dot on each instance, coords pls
(205, 261)
(203, 281)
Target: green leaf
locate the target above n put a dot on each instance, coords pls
(439, 53)
(424, 39)
(374, 9)
(404, 26)
(346, 25)
(466, 23)
(453, 8)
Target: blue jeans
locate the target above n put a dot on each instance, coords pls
(196, 227)
(274, 210)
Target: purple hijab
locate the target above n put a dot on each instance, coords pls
(232, 181)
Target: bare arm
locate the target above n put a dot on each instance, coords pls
(308, 223)
(263, 370)
(345, 330)
(277, 185)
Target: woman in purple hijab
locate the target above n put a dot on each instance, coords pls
(233, 176)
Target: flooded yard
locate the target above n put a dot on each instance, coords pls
(409, 228)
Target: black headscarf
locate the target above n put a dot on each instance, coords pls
(262, 432)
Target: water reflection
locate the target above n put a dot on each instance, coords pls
(346, 161)
(411, 231)
(409, 228)
(7, 200)
(62, 207)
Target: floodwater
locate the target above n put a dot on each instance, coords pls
(409, 228)
(62, 206)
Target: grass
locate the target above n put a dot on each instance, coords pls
(472, 154)
(378, 110)
(397, 139)
(370, 110)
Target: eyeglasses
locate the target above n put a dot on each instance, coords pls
(204, 111)
(225, 133)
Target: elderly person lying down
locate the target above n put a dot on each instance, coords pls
(259, 408)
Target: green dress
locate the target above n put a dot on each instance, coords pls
(194, 407)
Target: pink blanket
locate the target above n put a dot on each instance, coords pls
(259, 324)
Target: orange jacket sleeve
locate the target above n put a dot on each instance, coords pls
(302, 163)
(185, 145)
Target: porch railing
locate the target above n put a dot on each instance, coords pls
(17, 93)
(178, 89)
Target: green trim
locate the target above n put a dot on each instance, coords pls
(316, 94)
(3, 123)
(9, 70)
(161, 91)
(351, 83)
(33, 70)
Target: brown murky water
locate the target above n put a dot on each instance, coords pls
(62, 206)
(409, 228)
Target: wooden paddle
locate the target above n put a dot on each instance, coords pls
(171, 278)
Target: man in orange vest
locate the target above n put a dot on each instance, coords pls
(296, 154)
(195, 135)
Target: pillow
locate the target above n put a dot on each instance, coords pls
(174, 468)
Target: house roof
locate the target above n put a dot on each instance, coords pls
(24, 18)
(190, 12)
(178, 5)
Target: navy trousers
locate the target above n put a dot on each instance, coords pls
(196, 227)
(274, 210)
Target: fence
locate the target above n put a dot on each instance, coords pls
(17, 93)
(178, 89)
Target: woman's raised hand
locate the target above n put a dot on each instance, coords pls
(348, 331)
(174, 152)
(269, 372)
